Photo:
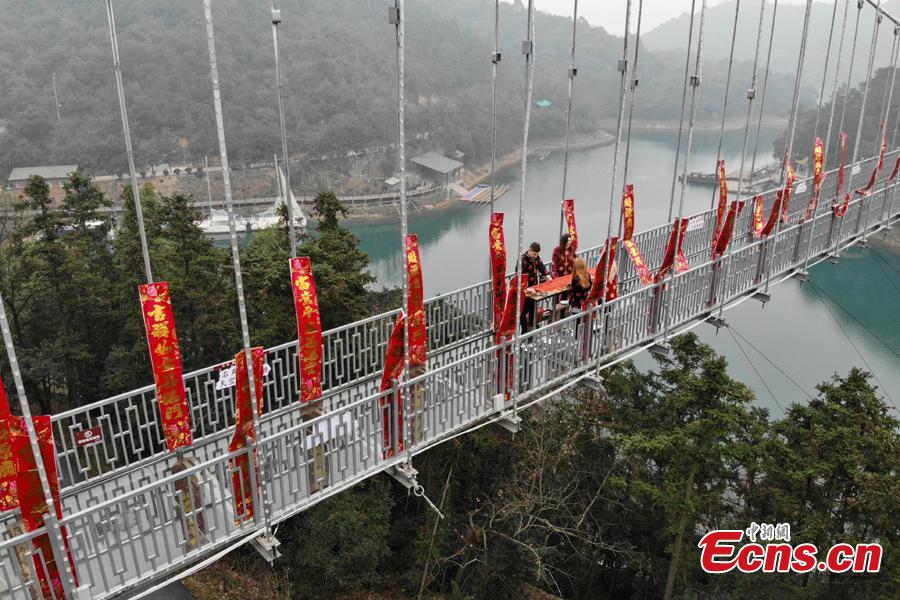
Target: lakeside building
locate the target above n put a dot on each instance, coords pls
(55, 176)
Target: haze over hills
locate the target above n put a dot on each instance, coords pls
(339, 69)
(719, 24)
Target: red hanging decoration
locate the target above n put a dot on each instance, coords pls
(628, 213)
(418, 334)
(568, 207)
(723, 200)
(165, 356)
(309, 328)
(818, 178)
(758, 216)
(724, 238)
(605, 286)
(788, 190)
(244, 429)
(498, 267)
(637, 260)
(393, 366)
(8, 497)
(894, 172)
(840, 186)
(681, 263)
(867, 190)
(32, 502)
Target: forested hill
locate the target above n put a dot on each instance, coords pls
(339, 66)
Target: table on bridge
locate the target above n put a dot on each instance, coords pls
(551, 289)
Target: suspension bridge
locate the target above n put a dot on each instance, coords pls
(115, 510)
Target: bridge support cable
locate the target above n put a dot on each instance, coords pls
(126, 130)
(694, 83)
(529, 51)
(261, 491)
(789, 142)
(51, 520)
(573, 71)
(765, 87)
(279, 83)
(751, 95)
(804, 271)
(614, 194)
(887, 207)
(495, 62)
(862, 112)
(737, 12)
(687, 68)
(755, 369)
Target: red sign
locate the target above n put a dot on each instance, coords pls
(89, 437)
(639, 265)
(244, 429)
(498, 267)
(568, 207)
(418, 333)
(165, 356)
(628, 212)
(32, 501)
(309, 328)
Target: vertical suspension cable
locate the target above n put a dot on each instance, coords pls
(834, 85)
(850, 68)
(529, 51)
(737, 11)
(572, 73)
(887, 209)
(126, 129)
(762, 99)
(751, 95)
(825, 71)
(633, 90)
(789, 142)
(687, 67)
(235, 250)
(495, 61)
(622, 67)
(399, 19)
(51, 521)
(279, 83)
(862, 113)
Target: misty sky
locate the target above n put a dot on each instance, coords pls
(610, 14)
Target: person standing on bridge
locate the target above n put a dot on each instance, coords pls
(563, 257)
(534, 268)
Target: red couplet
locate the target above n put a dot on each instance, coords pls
(309, 328)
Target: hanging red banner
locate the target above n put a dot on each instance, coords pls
(309, 328)
(681, 263)
(394, 360)
(165, 357)
(773, 216)
(758, 216)
(628, 213)
(508, 323)
(607, 286)
(727, 229)
(840, 186)
(8, 498)
(32, 502)
(872, 179)
(498, 267)
(840, 210)
(894, 172)
(637, 260)
(244, 429)
(723, 200)
(788, 190)
(568, 207)
(669, 256)
(818, 178)
(418, 334)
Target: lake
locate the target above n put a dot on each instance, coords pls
(797, 331)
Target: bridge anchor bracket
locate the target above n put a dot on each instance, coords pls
(268, 547)
(717, 322)
(862, 243)
(509, 422)
(833, 258)
(802, 275)
(594, 383)
(405, 474)
(660, 349)
(763, 297)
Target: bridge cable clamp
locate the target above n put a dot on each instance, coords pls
(419, 492)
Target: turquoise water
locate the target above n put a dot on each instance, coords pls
(795, 331)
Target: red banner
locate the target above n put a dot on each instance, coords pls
(32, 501)
(244, 429)
(773, 216)
(894, 172)
(165, 356)
(394, 361)
(628, 213)
(418, 334)
(309, 328)
(608, 284)
(568, 207)
(872, 179)
(724, 238)
(681, 263)
(8, 498)
(637, 260)
(498, 267)
(840, 186)
(840, 210)
(758, 216)
(669, 256)
(508, 323)
(788, 190)
(723, 200)
(818, 178)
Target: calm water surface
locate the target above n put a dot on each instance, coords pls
(797, 331)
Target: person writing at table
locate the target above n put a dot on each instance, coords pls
(534, 268)
(563, 257)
